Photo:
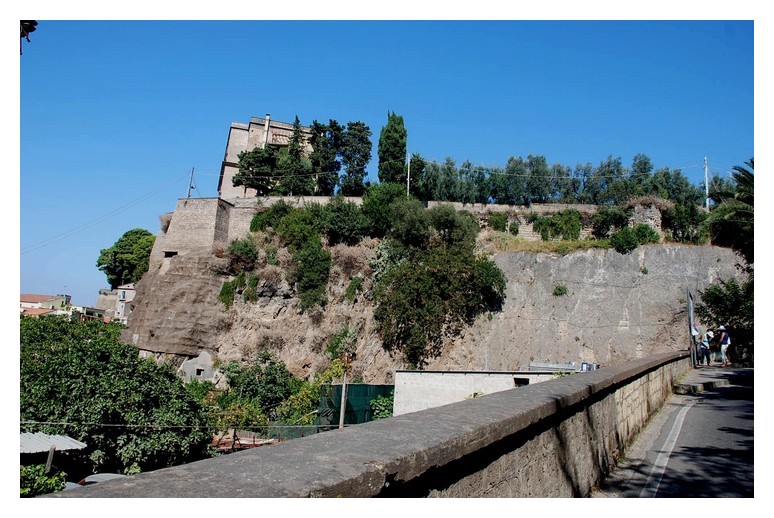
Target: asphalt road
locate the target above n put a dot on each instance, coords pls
(700, 445)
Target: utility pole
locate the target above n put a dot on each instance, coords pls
(343, 398)
(706, 183)
(408, 176)
(190, 184)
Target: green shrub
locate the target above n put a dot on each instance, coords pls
(624, 240)
(242, 255)
(270, 217)
(455, 228)
(342, 343)
(610, 218)
(513, 229)
(352, 289)
(646, 234)
(298, 227)
(376, 206)
(381, 406)
(498, 221)
(559, 290)
(35, 481)
(687, 224)
(565, 224)
(313, 265)
(271, 255)
(410, 223)
(226, 295)
(345, 222)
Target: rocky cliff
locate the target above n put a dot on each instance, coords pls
(613, 308)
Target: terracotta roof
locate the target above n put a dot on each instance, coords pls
(37, 311)
(31, 297)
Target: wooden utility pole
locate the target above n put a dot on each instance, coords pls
(343, 400)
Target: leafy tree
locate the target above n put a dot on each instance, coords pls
(418, 178)
(326, 144)
(266, 383)
(294, 171)
(376, 206)
(127, 260)
(433, 293)
(392, 150)
(355, 155)
(565, 186)
(640, 175)
(257, 170)
(673, 185)
(732, 218)
(731, 303)
(539, 180)
(79, 373)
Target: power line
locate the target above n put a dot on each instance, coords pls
(85, 226)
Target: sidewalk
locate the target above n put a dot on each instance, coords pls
(701, 439)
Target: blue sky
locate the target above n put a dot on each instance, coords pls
(115, 114)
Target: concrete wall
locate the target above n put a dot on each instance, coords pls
(550, 439)
(420, 390)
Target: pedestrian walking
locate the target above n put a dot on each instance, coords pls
(725, 343)
(704, 349)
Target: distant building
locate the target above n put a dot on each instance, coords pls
(32, 304)
(115, 303)
(258, 133)
(126, 294)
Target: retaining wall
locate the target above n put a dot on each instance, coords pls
(551, 439)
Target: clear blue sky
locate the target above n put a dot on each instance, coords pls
(114, 115)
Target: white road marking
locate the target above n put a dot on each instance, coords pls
(657, 471)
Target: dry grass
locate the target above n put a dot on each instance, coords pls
(493, 241)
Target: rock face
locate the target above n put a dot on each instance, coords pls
(616, 307)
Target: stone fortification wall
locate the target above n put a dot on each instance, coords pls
(194, 226)
(551, 439)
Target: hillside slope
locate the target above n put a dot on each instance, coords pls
(617, 307)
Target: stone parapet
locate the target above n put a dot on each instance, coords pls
(552, 439)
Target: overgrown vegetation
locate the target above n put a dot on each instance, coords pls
(382, 406)
(133, 414)
(559, 290)
(565, 224)
(34, 481)
(497, 221)
(730, 302)
(627, 239)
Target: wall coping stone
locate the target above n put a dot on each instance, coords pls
(362, 460)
